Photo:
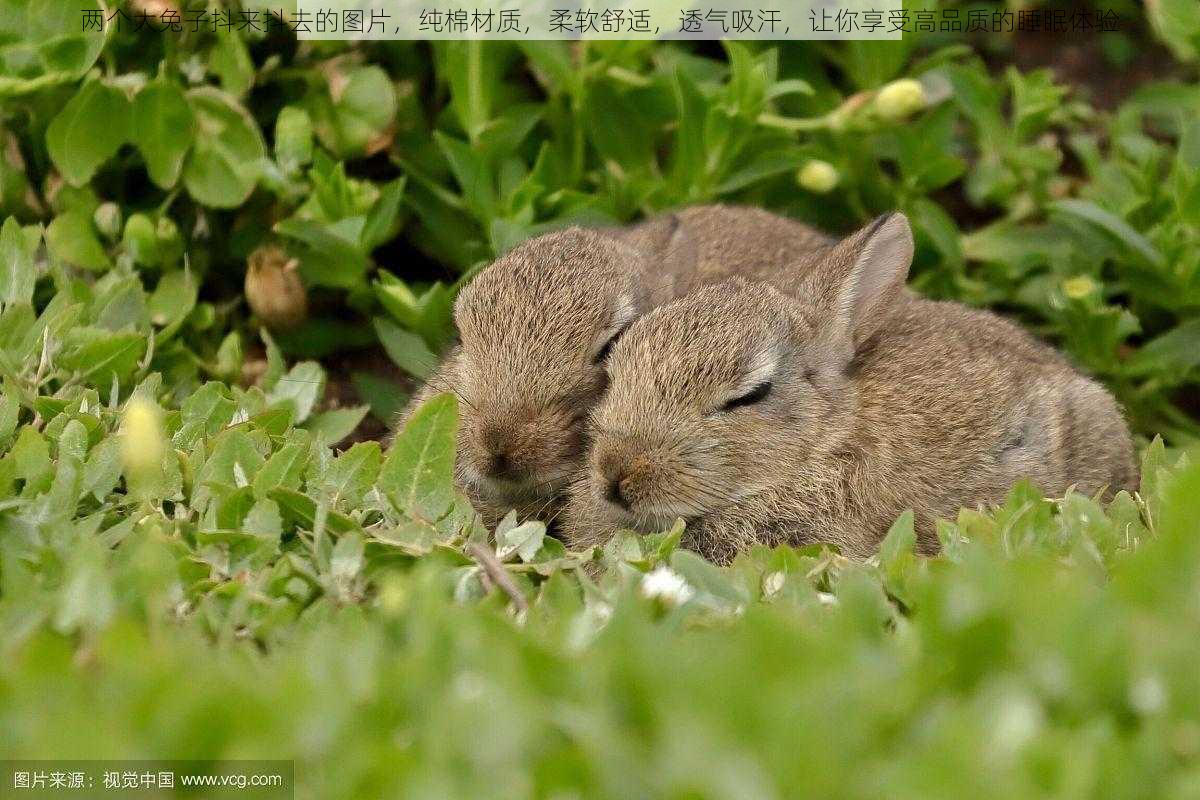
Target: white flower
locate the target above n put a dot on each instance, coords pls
(667, 585)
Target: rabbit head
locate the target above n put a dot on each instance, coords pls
(715, 397)
(536, 327)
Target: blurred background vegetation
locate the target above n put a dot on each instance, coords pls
(1050, 175)
(225, 251)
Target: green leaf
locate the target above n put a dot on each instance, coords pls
(1175, 352)
(335, 425)
(347, 559)
(234, 460)
(71, 238)
(473, 72)
(385, 397)
(264, 519)
(41, 44)
(357, 109)
(328, 259)
(708, 579)
(301, 388)
(900, 539)
(418, 474)
(473, 173)
(163, 129)
(351, 475)
(293, 137)
(91, 127)
(230, 62)
(100, 355)
(10, 409)
(17, 272)
(1114, 225)
(172, 300)
(302, 509)
(285, 468)
(525, 540)
(408, 350)
(205, 412)
(224, 165)
(382, 220)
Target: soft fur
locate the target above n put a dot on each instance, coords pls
(879, 402)
(533, 323)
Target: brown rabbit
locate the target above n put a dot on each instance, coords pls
(759, 417)
(536, 326)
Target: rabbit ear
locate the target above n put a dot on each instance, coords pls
(667, 242)
(858, 280)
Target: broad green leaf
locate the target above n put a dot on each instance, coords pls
(42, 44)
(285, 468)
(328, 259)
(408, 350)
(230, 62)
(99, 355)
(385, 396)
(207, 410)
(71, 238)
(900, 539)
(1177, 23)
(264, 519)
(356, 111)
(335, 425)
(352, 474)
(234, 461)
(347, 559)
(17, 272)
(173, 298)
(707, 579)
(383, 218)
(418, 474)
(293, 137)
(224, 165)
(10, 408)
(163, 129)
(525, 540)
(1114, 225)
(89, 130)
(302, 509)
(301, 387)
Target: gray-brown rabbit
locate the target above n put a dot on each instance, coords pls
(536, 325)
(759, 417)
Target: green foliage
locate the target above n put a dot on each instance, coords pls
(267, 597)
(355, 159)
(189, 567)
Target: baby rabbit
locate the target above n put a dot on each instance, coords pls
(759, 417)
(537, 325)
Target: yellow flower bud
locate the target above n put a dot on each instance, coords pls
(142, 443)
(900, 99)
(1079, 287)
(273, 288)
(819, 177)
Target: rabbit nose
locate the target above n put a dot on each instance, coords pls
(499, 464)
(615, 493)
(496, 449)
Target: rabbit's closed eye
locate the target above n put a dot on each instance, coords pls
(755, 395)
